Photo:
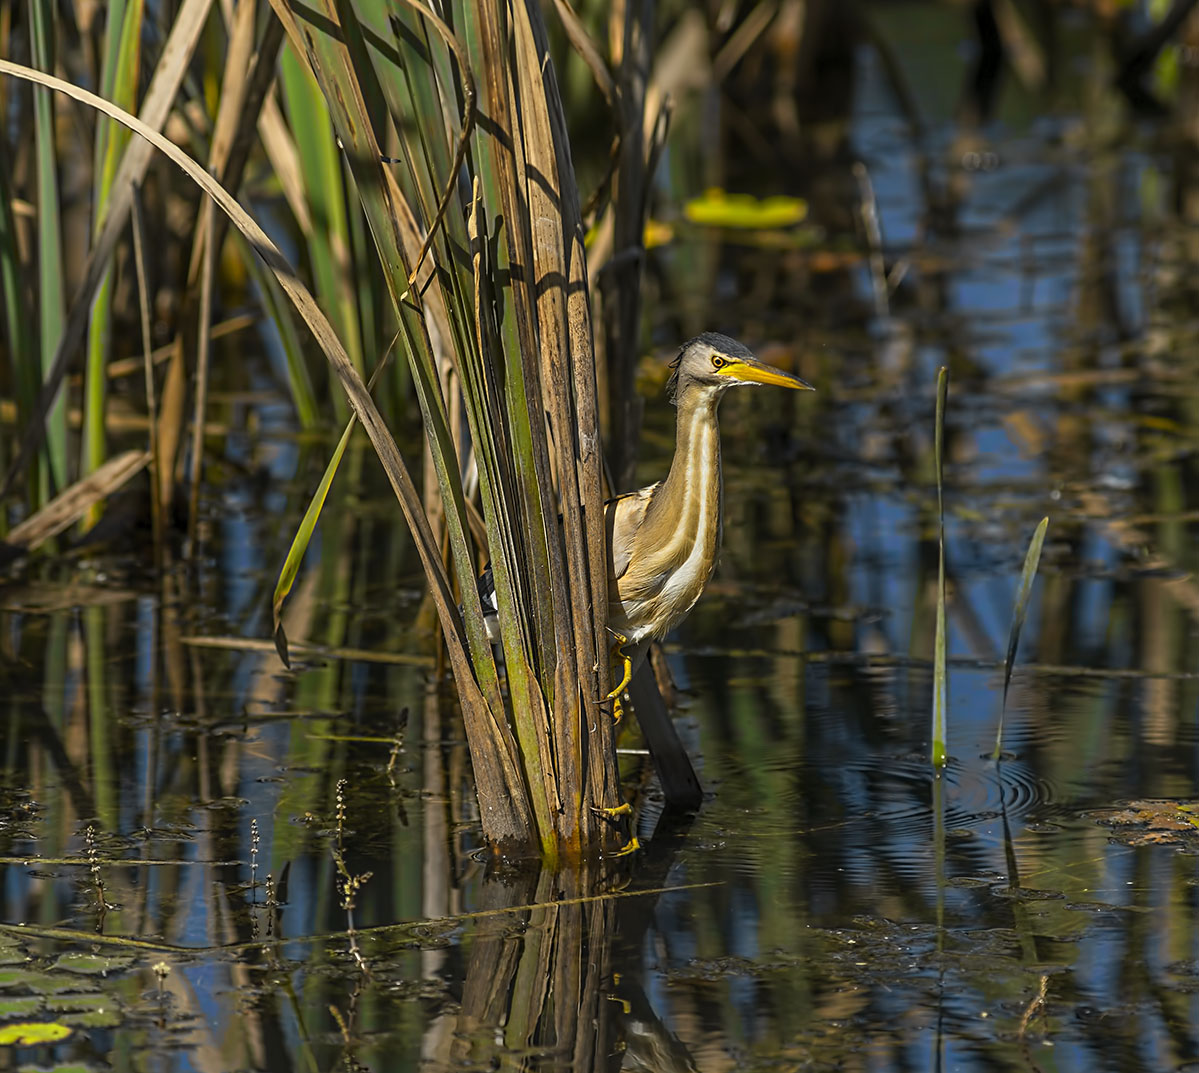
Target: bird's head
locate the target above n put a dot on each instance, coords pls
(714, 363)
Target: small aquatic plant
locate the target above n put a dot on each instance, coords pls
(940, 712)
(1032, 560)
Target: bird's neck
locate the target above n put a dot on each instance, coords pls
(690, 496)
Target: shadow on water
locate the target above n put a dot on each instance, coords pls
(212, 864)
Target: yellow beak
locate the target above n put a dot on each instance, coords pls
(752, 371)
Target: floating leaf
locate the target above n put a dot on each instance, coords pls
(657, 233)
(716, 208)
(11, 952)
(1156, 821)
(63, 1067)
(27, 1033)
(86, 1010)
(37, 982)
(23, 1006)
(92, 964)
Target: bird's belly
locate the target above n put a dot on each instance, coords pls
(652, 607)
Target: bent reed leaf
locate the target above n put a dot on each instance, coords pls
(300, 542)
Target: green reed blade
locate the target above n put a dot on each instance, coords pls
(15, 299)
(300, 542)
(281, 314)
(159, 98)
(329, 240)
(119, 84)
(940, 675)
(114, 30)
(311, 517)
(157, 522)
(51, 296)
(1031, 561)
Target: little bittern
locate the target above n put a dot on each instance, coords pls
(663, 539)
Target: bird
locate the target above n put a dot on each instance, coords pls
(664, 539)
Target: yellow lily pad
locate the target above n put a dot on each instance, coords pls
(717, 208)
(28, 1033)
(657, 233)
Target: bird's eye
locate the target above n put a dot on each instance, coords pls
(718, 362)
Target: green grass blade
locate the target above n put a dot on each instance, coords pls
(16, 303)
(940, 675)
(51, 296)
(1031, 561)
(281, 314)
(329, 239)
(156, 105)
(300, 542)
(157, 522)
(119, 84)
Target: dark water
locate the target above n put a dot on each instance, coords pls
(832, 906)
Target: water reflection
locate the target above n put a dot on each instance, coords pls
(831, 906)
(843, 915)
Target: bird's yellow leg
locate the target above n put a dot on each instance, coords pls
(624, 809)
(626, 675)
(626, 665)
(633, 846)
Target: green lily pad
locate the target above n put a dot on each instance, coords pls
(65, 1067)
(19, 1006)
(11, 952)
(40, 983)
(92, 1010)
(92, 964)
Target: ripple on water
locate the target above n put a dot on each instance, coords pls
(898, 791)
(872, 822)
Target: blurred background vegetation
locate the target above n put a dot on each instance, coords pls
(861, 191)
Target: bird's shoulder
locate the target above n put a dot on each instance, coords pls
(623, 516)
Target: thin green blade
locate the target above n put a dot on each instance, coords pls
(940, 676)
(300, 542)
(51, 294)
(1031, 561)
